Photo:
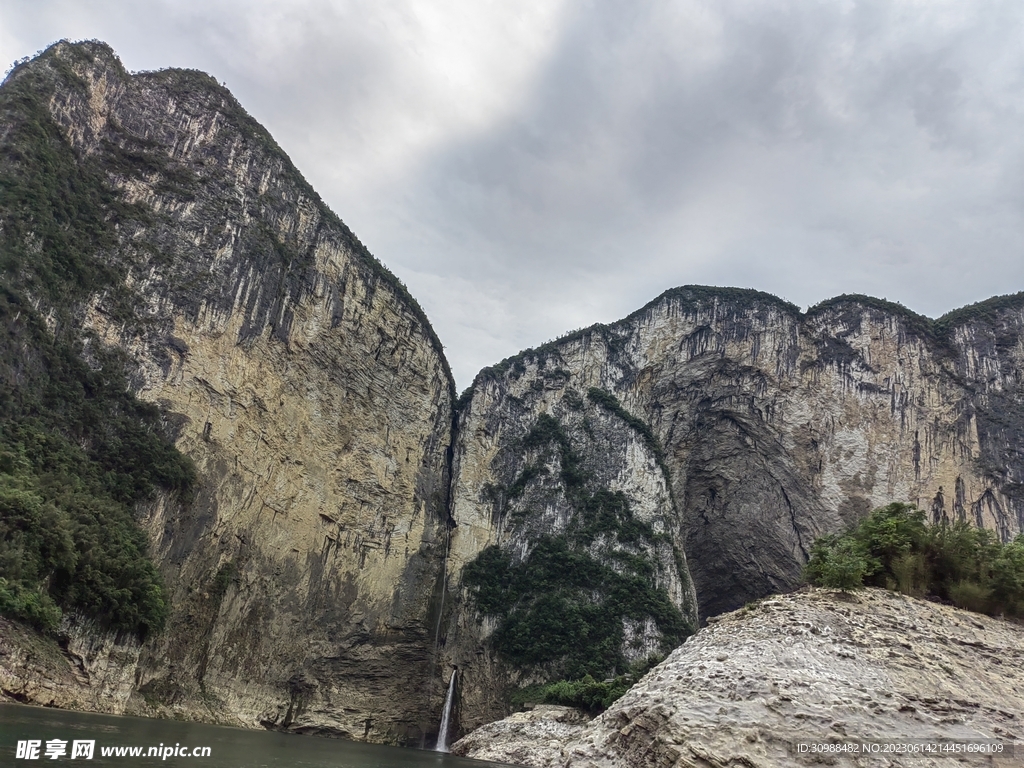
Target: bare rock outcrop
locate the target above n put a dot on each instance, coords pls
(93, 670)
(809, 668)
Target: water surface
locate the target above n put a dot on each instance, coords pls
(229, 747)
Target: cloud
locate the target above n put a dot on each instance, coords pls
(806, 149)
(531, 168)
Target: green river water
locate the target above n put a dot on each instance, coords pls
(228, 747)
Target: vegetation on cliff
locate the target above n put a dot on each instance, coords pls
(590, 695)
(77, 451)
(938, 332)
(894, 548)
(987, 311)
(564, 606)
(921, 326)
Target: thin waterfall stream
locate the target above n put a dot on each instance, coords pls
(446, 716)
(437, 625)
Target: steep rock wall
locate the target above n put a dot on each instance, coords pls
(91, 670)
(775, 427)
(551, 472)
(304, 382)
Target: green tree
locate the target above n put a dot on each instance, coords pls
(894, 548)
(837, 562)
(1008, 579)
(887, 535)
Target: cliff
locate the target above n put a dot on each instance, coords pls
(813, 667)
(344, 535)
(303, 381)
(566, 543)
(771, 427)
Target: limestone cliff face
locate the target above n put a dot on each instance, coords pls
(91, 670)
(775, 427)
(543, 466)
(807, 668)
(304, 382)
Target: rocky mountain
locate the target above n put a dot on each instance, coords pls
(566, 546)
(304, 382)
(812, 668)
(768, 427)
(352, 535)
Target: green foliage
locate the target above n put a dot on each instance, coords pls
(30, 606)
(970, 596)
(464, 400)
(911, 574)
(958, 552)
(572, 400)
(837, 563)
(894, 548)
(529, 473)
(607, 512)
(64, 543)
(987, 311)
(77, 450)
(78, 453)
(548, 430)
(610, 403)
(939, 331)
(223, 578)
(584, 693)
(921, 326)
(490, 576)
(67, 418)
(562, 606)
(59, 215)
(1007, 579)
(888, 534)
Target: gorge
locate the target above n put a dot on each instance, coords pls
(354, 531)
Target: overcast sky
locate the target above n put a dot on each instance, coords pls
(532, 167)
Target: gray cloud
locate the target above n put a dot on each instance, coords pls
(528, 169)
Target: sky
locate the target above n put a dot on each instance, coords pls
(532, 167)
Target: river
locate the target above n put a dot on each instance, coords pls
(219, 747)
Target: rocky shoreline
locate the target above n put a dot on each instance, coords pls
(806, 668)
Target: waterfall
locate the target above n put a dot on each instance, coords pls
(437, 631)
(446, 716)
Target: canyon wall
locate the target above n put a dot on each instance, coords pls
(303, 381)
(773, 427)
(355, 535)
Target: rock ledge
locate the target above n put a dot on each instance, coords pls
(808, 667)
